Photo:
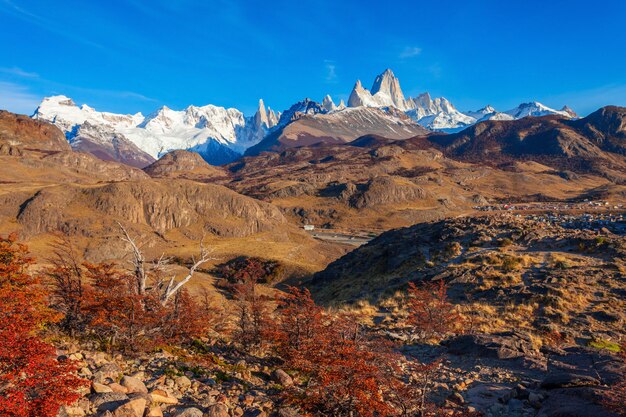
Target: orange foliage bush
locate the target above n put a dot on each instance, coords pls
(238, 270)
(33, 383)
(430, 312)
(348, 371)
(119, 316)
(186, 319)
(253, 314)
(102, 302)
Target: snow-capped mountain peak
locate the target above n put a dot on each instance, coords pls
(299, 109)
(386, 92)
(221, 135)
(260, 117)
(479, 114)
(536, 109)
(437, 113)
(164, 129)
(569, 111)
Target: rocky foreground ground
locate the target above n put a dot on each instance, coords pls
(497, 375)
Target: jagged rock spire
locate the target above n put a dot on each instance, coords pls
(359, 95)
(260, 117)
(387, 84)
(328, 103)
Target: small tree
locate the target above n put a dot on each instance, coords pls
(141, 273)
(300, 329)
(253, 311)
(430, 312)
(118, 315)
(33, 383)
(185, 319)
(132, 310)
(67, 286)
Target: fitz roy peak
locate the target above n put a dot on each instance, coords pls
(437, 114)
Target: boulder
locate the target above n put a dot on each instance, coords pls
(506, 345)
(568, 380)
(217, 410)
(115, 387)
(108, 400)
(100, 388)
(109, 372)
(133, 385)
(154, 411)
(160, 396)
(132, 408)
(183, 382)
(282, 378)
(191, 412)
(71, 411)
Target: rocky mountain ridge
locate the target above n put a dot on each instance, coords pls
(438, 114)
(217, 133)
(222, 135)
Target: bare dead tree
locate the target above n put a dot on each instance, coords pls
(138, 261)
(157, 268)
(158, 271)
(172, 287)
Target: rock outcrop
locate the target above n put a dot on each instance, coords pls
(184, 164)
(19, 132)
(381, 191)
(161, 205)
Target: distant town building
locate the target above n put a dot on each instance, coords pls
(309, 227)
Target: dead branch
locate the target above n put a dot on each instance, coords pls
(138, 261)
(173, 288)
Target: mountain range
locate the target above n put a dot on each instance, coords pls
(223, 135)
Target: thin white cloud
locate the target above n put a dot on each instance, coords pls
(331, 71)
(17, 98)
(410, 52)
(18, 72)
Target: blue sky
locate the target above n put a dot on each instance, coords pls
(133, 55)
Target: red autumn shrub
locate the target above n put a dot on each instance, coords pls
(33, 383)
(430, 312)
(241, 269)
(185, 319)
(99, 301)
(252, 315)
(348, 370)
(119, 316)
(300, 330)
